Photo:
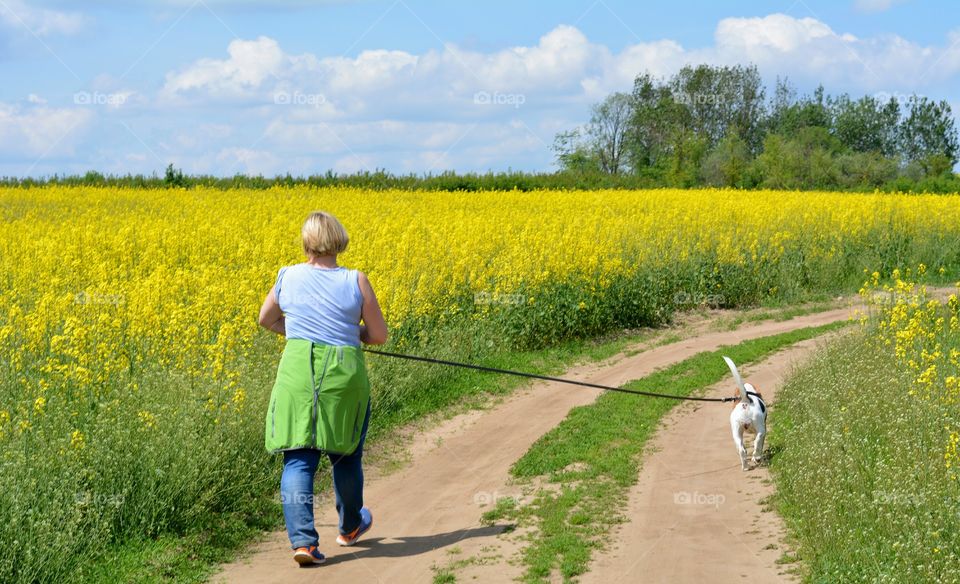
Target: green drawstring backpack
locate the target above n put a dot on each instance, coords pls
(319, 399)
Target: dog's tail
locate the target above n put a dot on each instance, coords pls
(736, 377)
(744, 395)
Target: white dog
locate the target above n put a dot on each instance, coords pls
(750, 413)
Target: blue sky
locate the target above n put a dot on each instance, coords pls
(302, 86)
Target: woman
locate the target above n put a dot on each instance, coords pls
(321, 399)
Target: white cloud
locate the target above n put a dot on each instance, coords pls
(563, 68)
(40, 21)
(388, 80)
(41, 131)
(249, 64)
(559, 60)
(803, 49)
(369, 70)
(773, 34)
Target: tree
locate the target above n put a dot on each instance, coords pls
(598, 146)
(608, 129)
(572, 153)
(866, 169)
(682, 168)
(928, 135)
(652, 125)
(174, 177)
(728, 163)
(790, 114)
(866, 124)
(803, 161)
(772, 165)
(719, 101)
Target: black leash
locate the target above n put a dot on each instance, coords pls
(548, 378)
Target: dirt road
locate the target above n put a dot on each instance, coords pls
(429, 512)
(695, 516)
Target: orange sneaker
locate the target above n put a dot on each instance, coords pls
(308, 556)
(366, 522)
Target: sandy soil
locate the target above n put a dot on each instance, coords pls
(428, 513)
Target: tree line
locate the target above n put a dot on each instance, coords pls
(715, 126)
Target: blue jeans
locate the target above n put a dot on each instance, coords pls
(296, 490)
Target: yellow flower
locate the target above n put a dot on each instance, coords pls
(148, 419)
(239, 398)
(77, 440)
(39, 404)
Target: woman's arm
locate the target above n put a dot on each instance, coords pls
(271, 317)
(374, 328)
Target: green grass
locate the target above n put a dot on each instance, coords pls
(444, 576)
(190, 557)
(591, 458)
(448, 574)
(779, 314)
(860, 474)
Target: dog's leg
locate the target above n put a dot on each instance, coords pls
(758, 444)
(738, 440)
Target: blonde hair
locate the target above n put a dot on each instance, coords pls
(323, 235)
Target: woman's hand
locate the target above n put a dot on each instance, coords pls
(271, 317)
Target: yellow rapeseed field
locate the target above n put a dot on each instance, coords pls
(133, 369)
(98, 281)
(924, 335)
